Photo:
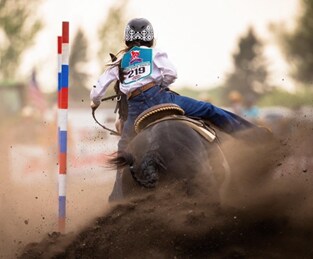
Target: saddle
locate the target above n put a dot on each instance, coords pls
(170, 111)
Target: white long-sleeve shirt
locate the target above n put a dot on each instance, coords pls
(163, 73)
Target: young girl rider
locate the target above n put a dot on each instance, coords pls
(144, 72)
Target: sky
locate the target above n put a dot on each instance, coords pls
(199, 36)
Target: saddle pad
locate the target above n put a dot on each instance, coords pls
(200, 127)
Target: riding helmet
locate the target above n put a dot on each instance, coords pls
(139, 29)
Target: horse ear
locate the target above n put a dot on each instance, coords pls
(113, 57)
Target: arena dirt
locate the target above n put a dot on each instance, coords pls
(265, 211)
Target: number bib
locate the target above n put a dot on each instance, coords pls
(137, 64)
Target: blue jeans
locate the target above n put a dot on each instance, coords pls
(224, 120)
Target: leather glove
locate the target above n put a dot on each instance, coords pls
(94, 105)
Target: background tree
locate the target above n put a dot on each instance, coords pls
(111, 32)
(250, 74)
(298, 45)
(18, 27)
(77, 62)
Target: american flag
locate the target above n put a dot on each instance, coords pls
(35, 97)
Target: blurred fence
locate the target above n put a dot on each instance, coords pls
(32, 152)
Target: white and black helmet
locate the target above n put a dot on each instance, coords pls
(138, 29)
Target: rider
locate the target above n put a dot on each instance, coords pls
(145, 73)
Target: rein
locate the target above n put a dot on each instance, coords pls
(110, 97)
(120, 106)
(112, 132)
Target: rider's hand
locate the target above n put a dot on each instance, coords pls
(94, 105)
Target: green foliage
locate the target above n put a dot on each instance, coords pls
(18, 28)
(250, 74)
(190, 92)
(111, 32)
(77, 61)
(298, 45)
(277, 97)
(214, 95)
(280, 97)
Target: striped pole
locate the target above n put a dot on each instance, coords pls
(59, 68)
(63, 75)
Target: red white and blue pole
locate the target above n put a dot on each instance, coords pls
(63, 79)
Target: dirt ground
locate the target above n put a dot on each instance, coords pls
(265, 211)
(29, 183)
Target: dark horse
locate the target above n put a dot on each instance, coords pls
(167, 150)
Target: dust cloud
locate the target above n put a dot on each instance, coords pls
(264, 211)
(29, 180)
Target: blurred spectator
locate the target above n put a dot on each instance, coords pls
(205, 97)
(235, 99)
(250, 111)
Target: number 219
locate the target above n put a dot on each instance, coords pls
(136, 71)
